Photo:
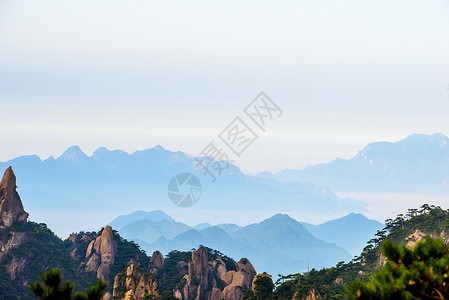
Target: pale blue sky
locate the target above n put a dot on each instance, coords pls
(135, 74)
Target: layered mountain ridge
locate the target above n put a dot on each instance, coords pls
(29, 249)
(418, 164)
(277, 236)
(107, 177)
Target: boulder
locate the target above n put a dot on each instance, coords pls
(339, 280)
(238, 281)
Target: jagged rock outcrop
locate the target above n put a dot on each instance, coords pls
(419, 236)
(101, 254)
(16, 266)
(11, 208)
(135, 284)
(17, 238)
(239, 280)
(313, 295)
(72, 237)
(415, 238)
(203, 275)
(156, 262)
(411, 241)
(381, 260)
(11, 212)
(199, 279)
(338, 281)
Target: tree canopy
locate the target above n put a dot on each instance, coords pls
(53, 289)
(418, 273)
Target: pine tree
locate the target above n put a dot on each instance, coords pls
(263, 287)
(53, 290)
(418, 273)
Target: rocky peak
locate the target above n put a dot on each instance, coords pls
(243, 265)
(101, 253)
(11, 207)
(199, 260)
(72, 237)
(239, 280)
(204, 274)
(134, 283)
(73, 153)
(156, 262)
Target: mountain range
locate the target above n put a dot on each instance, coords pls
(418, 164)
(29, 249)
(301, 245)
(350, 232)
(30, 252)
(118, 181)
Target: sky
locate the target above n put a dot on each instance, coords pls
(136, 74)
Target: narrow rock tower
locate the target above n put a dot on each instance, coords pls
(11, 208)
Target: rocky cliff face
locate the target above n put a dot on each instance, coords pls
(135, 284)
(411, 241)
(239, 280)
(156, 262)
(205, 276)
(419, 236)
(11, 212)
(16, 239)
(101, 254)
(313, 295)
(11, 208)
(28, 249)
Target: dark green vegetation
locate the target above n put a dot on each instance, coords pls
(42, 250)
(333, 283)
(262, 288)
(126, 250)
(408, 272)
(171, 271)
(54, 290)
(278, 236)
(418, 273)
(8, 291)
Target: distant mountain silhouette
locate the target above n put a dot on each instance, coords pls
(279, 238)
(417, 164)
(150, 231)
(350, 232)
(124, 220)
(229, 227)
(118, 181)
(202, 226)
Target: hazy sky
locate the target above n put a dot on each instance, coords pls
(135, 74)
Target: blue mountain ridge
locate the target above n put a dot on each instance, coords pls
(118, 181)
(418, 164)
(279, 236)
